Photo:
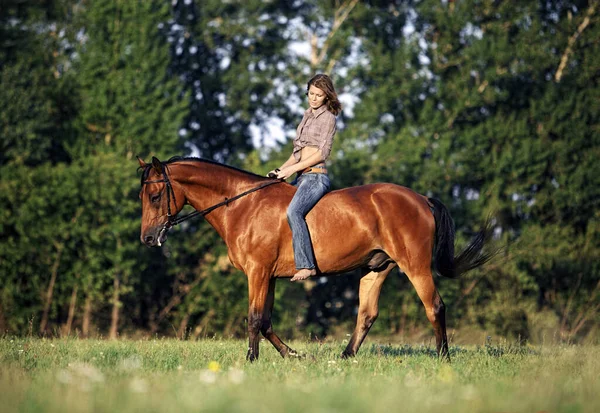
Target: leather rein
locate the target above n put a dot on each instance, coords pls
(173, 220)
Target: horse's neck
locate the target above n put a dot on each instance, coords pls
(206, 184)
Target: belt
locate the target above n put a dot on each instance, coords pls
(319, 169)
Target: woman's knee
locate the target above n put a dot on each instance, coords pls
(293, 215)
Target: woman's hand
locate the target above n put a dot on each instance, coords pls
(273, 173)
(284, 172)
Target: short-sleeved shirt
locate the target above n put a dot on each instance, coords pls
(317, 130)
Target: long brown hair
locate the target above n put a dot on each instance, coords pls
(324, 83)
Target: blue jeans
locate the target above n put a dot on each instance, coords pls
(311, 187)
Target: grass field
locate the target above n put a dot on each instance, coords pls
(212, 376)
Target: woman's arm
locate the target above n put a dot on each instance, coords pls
(291, 160)
(314, 157)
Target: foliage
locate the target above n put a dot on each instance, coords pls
(130, 104)
(230, 58)
(489, 106)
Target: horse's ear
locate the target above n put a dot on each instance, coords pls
(158, 166)
(141, 161)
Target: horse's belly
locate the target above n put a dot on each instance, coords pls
(344, 241)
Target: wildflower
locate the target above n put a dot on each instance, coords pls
(131, 363)
(64, 376)
(446, 374)
(236, 376)
(83, 375)
(469, 392)
(214, 366)
(208, 376)
(411, 379)
(138, 385)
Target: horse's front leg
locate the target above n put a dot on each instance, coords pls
(261, 297)
(258, 288)
(267, 327)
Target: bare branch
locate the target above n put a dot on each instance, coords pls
(569, 50)
(340, 16)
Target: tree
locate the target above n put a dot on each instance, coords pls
(231, 59)
(38, 109)
(69, 219)
(129, 102)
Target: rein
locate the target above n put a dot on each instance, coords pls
(173, 220)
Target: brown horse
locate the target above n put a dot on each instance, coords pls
(372, 227)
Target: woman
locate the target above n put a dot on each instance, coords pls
(312, 147)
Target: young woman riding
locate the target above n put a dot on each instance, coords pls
(312, 146)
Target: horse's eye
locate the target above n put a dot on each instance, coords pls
(155, 198)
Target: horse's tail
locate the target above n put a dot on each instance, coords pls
(472, 256)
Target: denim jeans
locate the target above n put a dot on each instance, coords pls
(311, 187)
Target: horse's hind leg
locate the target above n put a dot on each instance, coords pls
(267, 327)
(434, 307)
(368, 307)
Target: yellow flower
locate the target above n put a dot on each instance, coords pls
(446, 374)
(214, 366)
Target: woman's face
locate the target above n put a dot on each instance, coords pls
(316, 97)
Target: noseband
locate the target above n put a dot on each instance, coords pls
(173, 220)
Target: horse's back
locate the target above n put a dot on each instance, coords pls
(379, 199)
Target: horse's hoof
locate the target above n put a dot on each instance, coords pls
(294, 355)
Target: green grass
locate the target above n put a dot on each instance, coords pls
(212, 376)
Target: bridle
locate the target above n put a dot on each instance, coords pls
(173, 220)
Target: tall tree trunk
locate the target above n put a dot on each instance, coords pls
(50, 291)
(71, 315)
(87, 315)
(183, 326)
(114, 319)
(2, 321)
(203, 323)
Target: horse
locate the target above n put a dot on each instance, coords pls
(374, 228)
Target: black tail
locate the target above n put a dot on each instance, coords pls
(472, 256)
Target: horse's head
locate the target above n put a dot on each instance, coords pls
(162, 199)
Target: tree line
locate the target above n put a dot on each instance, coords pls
(490, 106)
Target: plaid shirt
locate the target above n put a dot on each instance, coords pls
(317, 130)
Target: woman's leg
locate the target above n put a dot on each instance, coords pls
(311, 188)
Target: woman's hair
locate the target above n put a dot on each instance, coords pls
(324, 83)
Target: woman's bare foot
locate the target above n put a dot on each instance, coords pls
(303, 274)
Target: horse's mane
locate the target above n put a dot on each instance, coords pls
(174, 159)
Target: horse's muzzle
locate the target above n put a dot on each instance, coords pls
(155, 236)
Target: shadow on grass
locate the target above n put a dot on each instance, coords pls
(423, 350)
(403, 350)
